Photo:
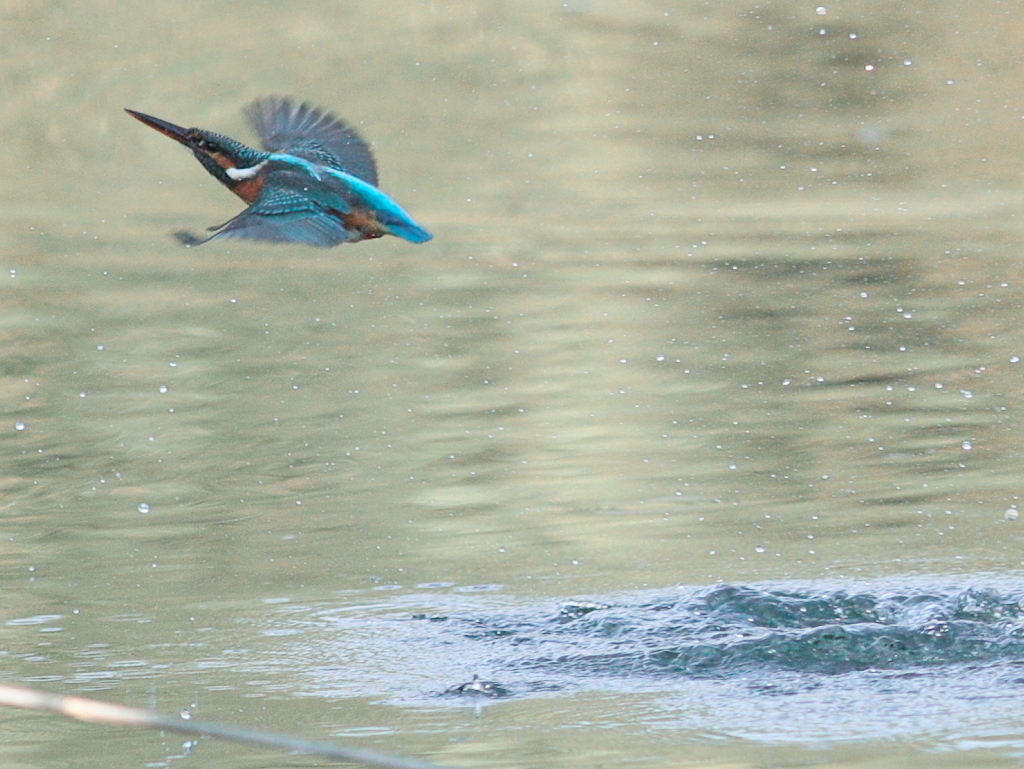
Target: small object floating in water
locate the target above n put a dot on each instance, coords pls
(478, 688)
(314, 182)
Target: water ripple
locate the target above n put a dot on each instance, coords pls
(776, 662)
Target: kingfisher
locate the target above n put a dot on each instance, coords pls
(314, 182)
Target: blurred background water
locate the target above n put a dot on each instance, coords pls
(720, 293)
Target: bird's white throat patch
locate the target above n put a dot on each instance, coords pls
(241, 174)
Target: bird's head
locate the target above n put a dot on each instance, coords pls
(230, 162)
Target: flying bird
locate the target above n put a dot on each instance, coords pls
(314, 181)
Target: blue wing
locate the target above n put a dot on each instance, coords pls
(291, 209)
(311, 133)
(335, 190)
(281, 216)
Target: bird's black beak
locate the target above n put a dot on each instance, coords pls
(176, 132)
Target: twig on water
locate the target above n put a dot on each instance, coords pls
(99, 712)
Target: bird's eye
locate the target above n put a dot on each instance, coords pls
(199, 141)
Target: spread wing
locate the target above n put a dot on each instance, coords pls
(311, 133)
(281, 216)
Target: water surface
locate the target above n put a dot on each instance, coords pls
(720, 295)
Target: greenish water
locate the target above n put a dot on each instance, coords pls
(718, 293)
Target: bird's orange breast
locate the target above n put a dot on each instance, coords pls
(249, 189)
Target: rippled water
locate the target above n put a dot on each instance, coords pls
(775, 663)
(722, 296)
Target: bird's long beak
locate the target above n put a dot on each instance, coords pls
(176, 132)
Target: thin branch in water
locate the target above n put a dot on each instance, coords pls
(99, 712)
